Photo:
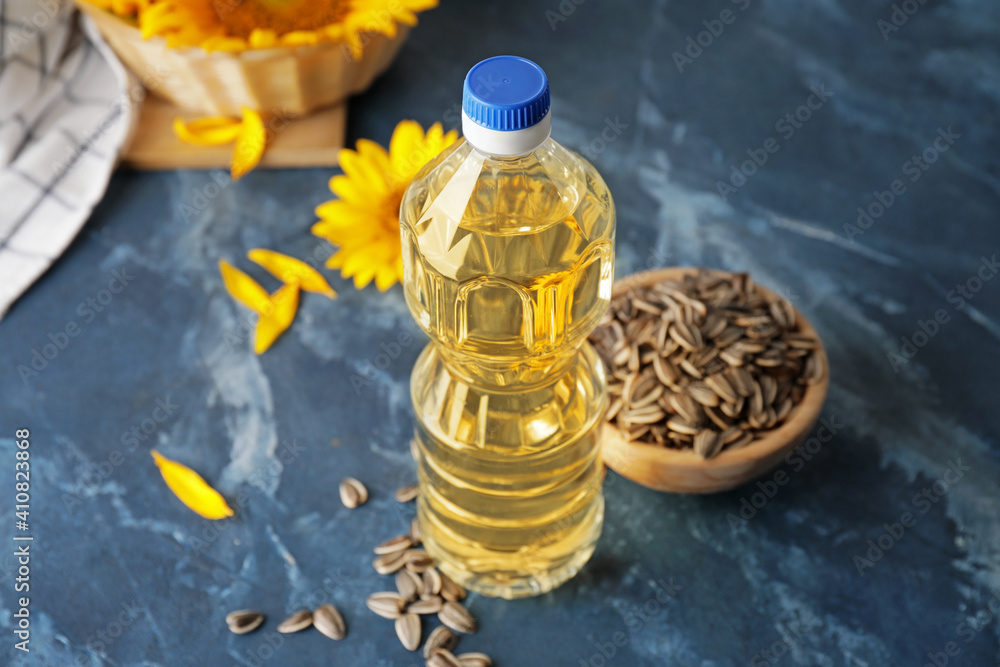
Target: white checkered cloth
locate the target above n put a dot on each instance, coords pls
(65, 114)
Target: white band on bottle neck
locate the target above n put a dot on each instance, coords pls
(506, 144)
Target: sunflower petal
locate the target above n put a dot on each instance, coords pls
(277, 319)
(208, 131)
(249, 144)
(291, 270)
(244, 289)
(191, 489)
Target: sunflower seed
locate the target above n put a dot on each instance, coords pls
(300, 620)
(417, 560)
(352, 493)
(328, 621)
(457, 617)
(814, 371)
(414, 449)
(243, 621)
(432, 582)
(408, 584)
(398, 543)
(707, 352)
(720, 385)
(450, 590)
(679, 425)
(442, 658)
(475, 660)
(390, 563)
(701, 392)
(386, 604)
(407, 493)
(429, 605)
(686, 407)
(666, 371)
(440, 637)
(741, 442)
(415, 534)
(707, 443)
(408, 631)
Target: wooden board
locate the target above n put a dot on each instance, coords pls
(310, 141)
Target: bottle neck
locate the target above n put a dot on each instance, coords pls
(512, 144)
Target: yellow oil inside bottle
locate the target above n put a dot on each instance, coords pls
(508, 265)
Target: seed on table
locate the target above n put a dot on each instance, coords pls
(398, 543)
(409, 584)
(457, 617)
(432, 582)
(443, 658)
(417, 560)
(430, 604)
(328, 620)
(406, 493)
(352, 493)
(386, 604)
(440, 637)
(450, 590)
(390, 563)
(475, 659)
(415, 533)
(242, 621)
(408, 631)
(300, 620)
(414, 449)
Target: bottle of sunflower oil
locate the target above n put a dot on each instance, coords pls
(508, 259)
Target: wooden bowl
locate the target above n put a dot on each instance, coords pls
(291, 80)
(683, 471)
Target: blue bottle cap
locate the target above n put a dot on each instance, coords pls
(506, 93)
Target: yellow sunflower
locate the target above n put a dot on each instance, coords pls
(364, 221)
(237, 25)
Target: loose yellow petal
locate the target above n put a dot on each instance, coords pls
(244, 289)
(249, 144)
(273, 323)
(191, 489)
(291, 270)
(208, 131)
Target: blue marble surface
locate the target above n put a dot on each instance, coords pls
(815, 573)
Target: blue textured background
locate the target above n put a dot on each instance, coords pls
(684, 584)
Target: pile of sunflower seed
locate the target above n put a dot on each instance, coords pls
(422, 590)
(708, 362)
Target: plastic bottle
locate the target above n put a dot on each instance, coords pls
(508, 256)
